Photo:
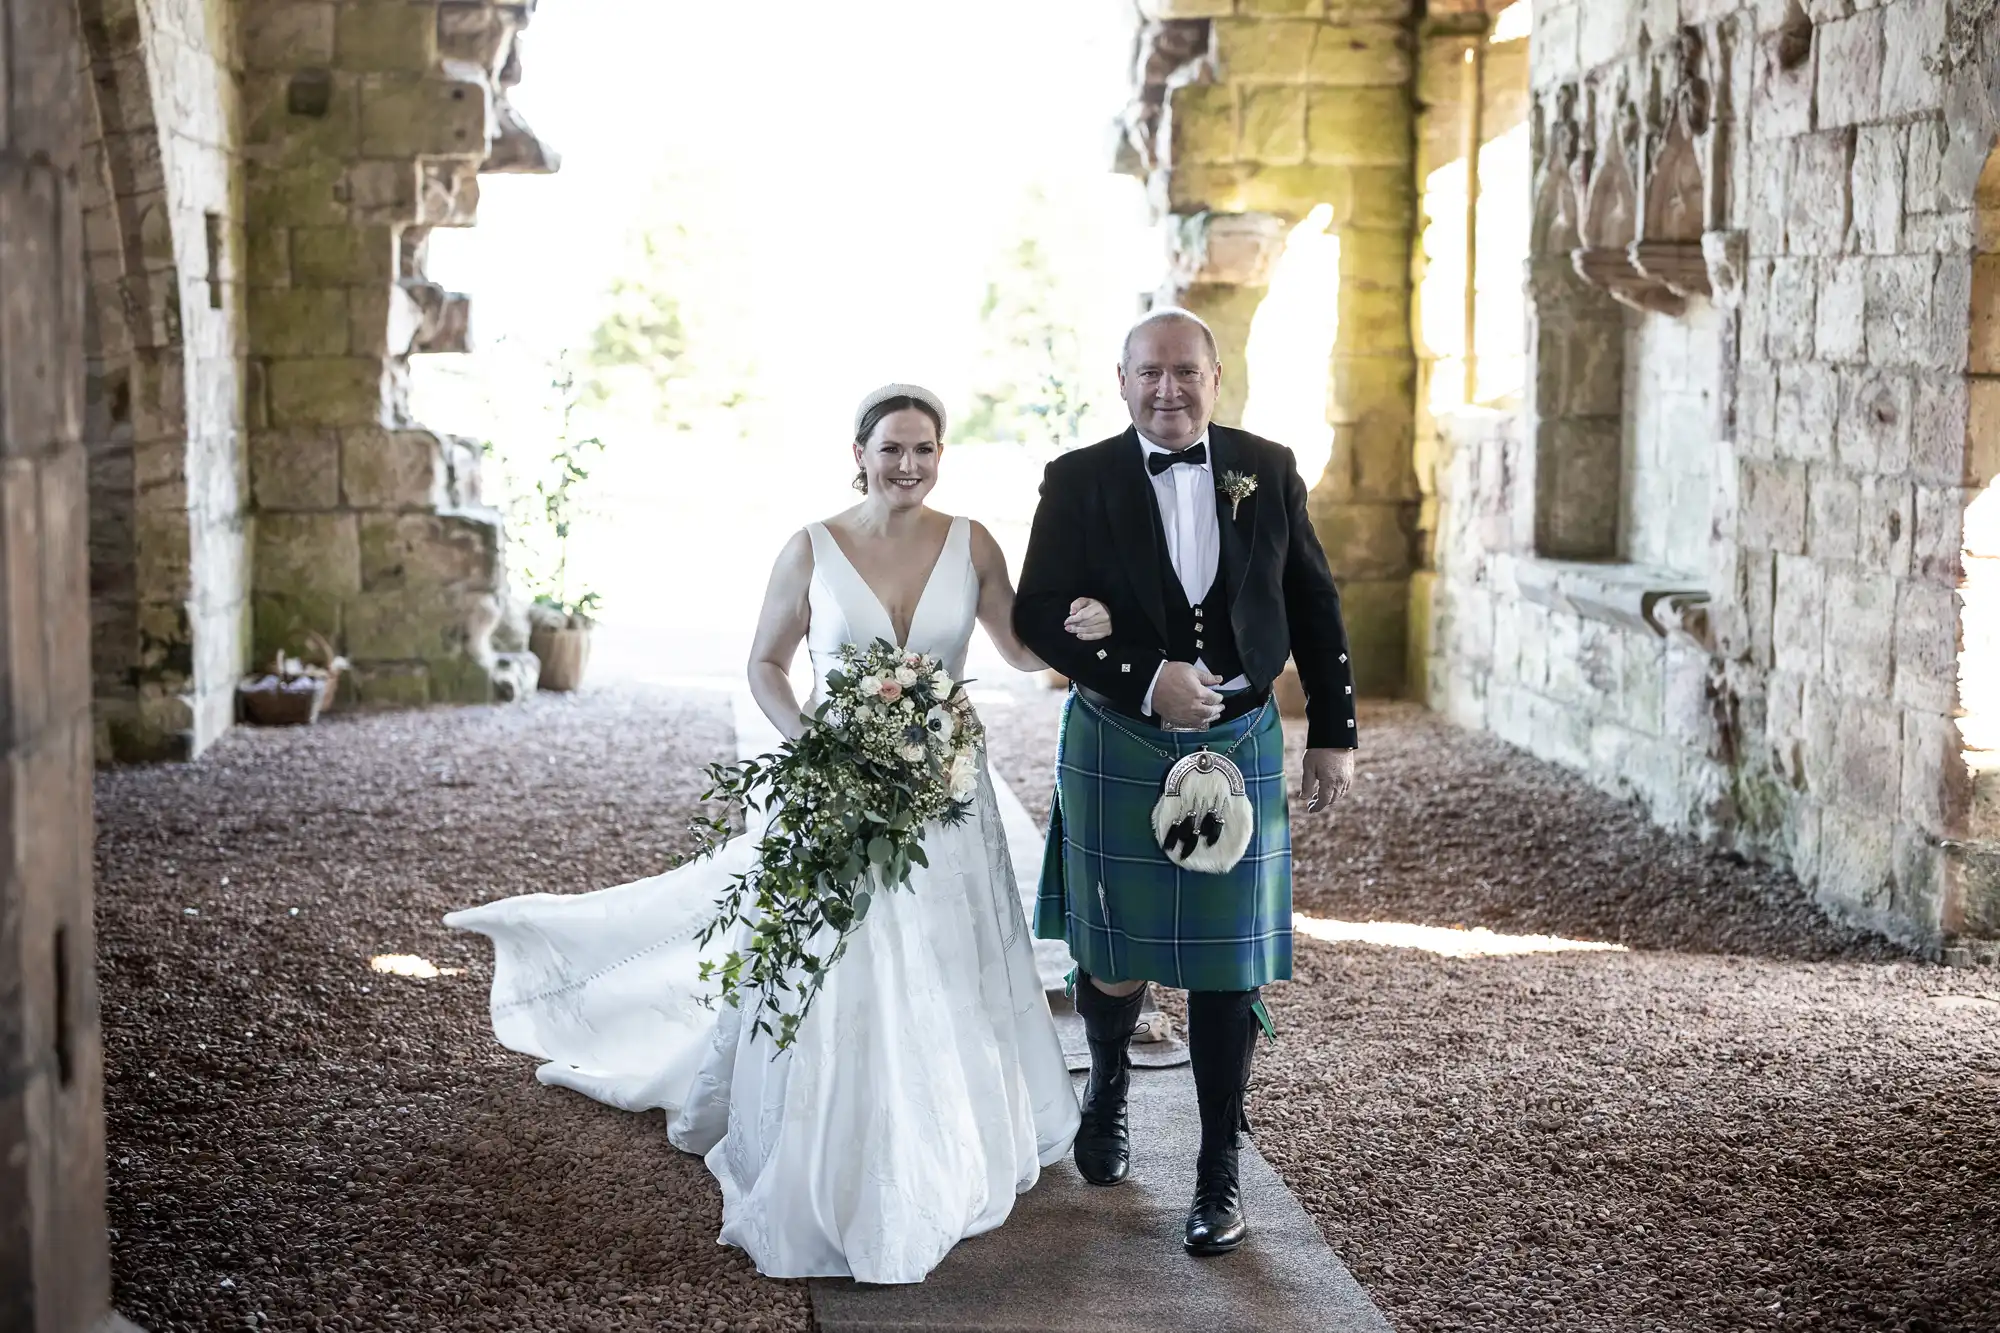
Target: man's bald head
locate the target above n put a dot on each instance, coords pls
(1169, 377)
(1172, 317)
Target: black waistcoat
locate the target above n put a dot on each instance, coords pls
(1196, 631)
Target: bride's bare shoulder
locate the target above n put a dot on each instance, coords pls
(795, 559)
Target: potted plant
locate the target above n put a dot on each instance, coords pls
(560, 623)
(559, 637)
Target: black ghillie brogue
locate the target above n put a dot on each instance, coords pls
(1103, 1143)
(1222, 1040)
(1215, 1224)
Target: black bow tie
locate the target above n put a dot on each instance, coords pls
(1196, 457)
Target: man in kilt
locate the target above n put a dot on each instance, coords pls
(1196, 538)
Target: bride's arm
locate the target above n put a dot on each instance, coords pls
(996, 606)
(781, 627)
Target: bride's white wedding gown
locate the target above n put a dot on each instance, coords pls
(924, 1090)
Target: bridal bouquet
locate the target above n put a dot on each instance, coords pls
(894, 747)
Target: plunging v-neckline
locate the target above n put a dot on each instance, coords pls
(923, 593)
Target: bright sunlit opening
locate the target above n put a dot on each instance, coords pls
(1498, 338)
(1514, 22)
(1979, 652)
(1290, 348)
(409, 965)
(751, 229)
(1445, 941)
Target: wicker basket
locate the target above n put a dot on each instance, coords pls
(291, 693)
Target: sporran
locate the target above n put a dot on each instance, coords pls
(1203, 820)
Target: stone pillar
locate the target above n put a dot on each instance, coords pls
(366, 124)
(1221, 270)
(54, 1263)
(1247, 115)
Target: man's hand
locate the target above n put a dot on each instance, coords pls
(1328, 776)
(1184, 697)
(1089, 619)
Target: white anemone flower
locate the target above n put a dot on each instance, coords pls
(940, 723)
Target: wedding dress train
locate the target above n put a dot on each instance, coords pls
(925, 1089)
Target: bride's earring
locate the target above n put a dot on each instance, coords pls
(861, 481)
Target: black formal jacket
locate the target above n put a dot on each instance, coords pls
(1094, 536)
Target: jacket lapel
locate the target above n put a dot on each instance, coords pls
(1236, 524)
(1133, 512)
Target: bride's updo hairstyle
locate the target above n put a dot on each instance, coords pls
(885, 402)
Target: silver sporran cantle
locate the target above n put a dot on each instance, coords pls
(1204, 819)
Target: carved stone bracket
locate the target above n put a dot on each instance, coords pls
(1727, 254)
(1236, 249)
(1635, 150)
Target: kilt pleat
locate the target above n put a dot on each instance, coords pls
(1126, 911)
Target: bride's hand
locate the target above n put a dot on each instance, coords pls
(1089, 619)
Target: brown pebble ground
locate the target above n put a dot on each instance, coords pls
(1749, 1119)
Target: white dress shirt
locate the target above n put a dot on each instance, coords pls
(1186, 495)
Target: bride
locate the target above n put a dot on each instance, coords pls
(926, 1087)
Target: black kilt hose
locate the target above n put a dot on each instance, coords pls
(1127, 912)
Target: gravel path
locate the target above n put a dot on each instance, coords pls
(1749, 1120)
(302, 1142)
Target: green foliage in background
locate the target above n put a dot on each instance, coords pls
(546, 498)
(1031, 386)
(664, 349)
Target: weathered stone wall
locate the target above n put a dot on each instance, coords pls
(163, 217)
(366, 124)
(1247, 115)
(1784, 171)
(54, 1262)
(260, 178)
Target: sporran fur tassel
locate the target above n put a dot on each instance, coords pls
(1203, 820)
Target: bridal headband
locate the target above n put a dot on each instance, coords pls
(888, 391)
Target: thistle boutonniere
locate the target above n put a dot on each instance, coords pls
(1238, 487)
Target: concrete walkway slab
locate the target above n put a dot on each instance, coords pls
(1076, 1258)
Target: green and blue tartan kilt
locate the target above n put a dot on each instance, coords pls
(1125, 910)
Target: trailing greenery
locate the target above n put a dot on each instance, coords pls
(894, 748)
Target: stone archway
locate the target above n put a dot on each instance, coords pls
(164, 389)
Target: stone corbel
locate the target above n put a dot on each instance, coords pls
(1683, 615)
(1679, 266)
(443, 318)
(1618, 272)
(1727, 254)
(1231, 249)
(515, 147)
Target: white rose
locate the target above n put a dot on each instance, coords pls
(941, 682)
(870, 686)
(906, 676)
(964, 778)
(863, 713)
(912, 754)
(940, 724)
